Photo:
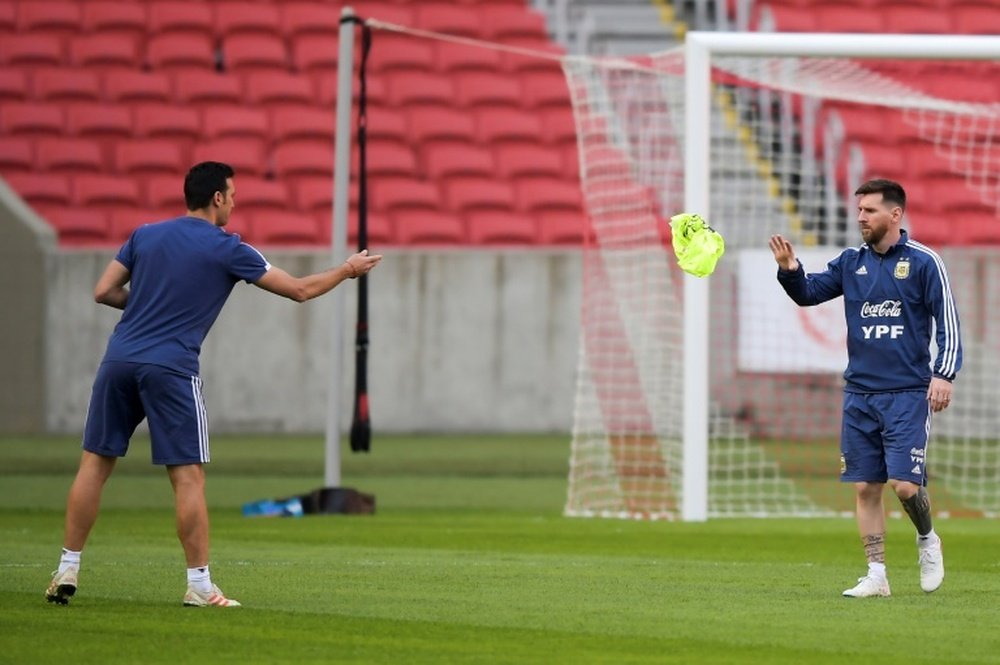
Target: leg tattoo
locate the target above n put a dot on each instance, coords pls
(874, 547)
(918, 507)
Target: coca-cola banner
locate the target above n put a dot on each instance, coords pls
(775, 334)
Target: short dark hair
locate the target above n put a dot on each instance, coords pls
(891, 191)
(203, 181)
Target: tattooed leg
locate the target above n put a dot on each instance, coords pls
(874, 547)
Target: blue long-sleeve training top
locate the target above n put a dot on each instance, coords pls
(893, 303)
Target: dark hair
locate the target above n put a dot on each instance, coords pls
(203, 181)
(892, 192)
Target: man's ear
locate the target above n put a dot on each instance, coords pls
(218, 199)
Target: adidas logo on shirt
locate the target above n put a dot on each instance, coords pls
(863, 270)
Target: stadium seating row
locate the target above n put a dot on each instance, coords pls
(307, 53)
(529, 90)
(982, 18)
(496, 20)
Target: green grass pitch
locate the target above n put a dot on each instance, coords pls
(467, 560)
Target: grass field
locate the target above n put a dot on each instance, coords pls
(467, 560)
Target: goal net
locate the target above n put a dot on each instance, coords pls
(790, 140)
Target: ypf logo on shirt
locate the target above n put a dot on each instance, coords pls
(902, 269)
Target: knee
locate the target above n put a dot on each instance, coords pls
(869, 492)
(904, 489)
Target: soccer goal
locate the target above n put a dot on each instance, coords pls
(717, 397)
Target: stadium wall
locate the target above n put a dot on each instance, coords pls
(27, 245)
(471, 340)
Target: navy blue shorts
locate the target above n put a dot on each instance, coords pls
(883, 436)
(125, 393)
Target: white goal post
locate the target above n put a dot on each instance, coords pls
(653, 466)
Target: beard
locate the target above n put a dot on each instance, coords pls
(872, 236)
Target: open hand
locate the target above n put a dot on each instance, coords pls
(783, 253)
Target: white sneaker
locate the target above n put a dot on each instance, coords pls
(194, 598)
(63, 586)
(931, 562)
(868, 587)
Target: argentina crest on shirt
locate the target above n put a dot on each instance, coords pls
(902, 268)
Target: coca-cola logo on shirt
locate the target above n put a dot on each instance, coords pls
(882, 309)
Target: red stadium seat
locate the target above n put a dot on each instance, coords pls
(775, 17)
(99, 121)
(394, 52)
(105, 191)
(571, 162)
(132, 87)
(497, 227)
(449, 18)
(292, 123)
(914, 19)
(558, 126)
(58, 17)
(433, 123)
(312, 53)
(28, 50)
(165, 191)
(8, 17)
(976, 19)
(245, 155)
(208, 89)
(17, 154)
(286, 228)
(884, 162)
(69, 155)
(247, 18)
(389, 124)
(979, 228)
(394, 194)
(448, 158)
(66, 85)
(31, 119)
(953, 196)
(104, 52)
(310, 18)
(561, 227)
(257, 194)
(426, 227)
(389, 158)
(76, 225)
(503, 22)
(173, 122)
(241, 122)
(545, 89)
(541, 194)
(383, 10)
(112, 18)
(860, 123)
(378, 228)
(294, 159)
(173, 16)
(409, 88)
(497, 125)
(147, 156)
(466, 194)
(453, 57)
(13, 85)
(847, 17)
(252, 54)
(40, 189)
(314, 194)
(517, 160)
(485, 89)
(521, 62)
(275, 89)
(180, 52)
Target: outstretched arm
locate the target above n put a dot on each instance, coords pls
(305, 288)
(804, 289)
(110, 289)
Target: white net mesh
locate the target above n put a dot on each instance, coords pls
(791, 139)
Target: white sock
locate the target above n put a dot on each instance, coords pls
(876, 570)
(199, 579)
(68, 558)
(924, 541)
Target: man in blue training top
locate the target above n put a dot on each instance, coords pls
(171, 279)
(896, 292)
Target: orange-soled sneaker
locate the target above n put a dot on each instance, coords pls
(215, 598)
